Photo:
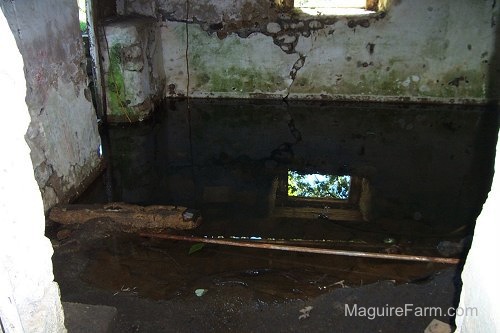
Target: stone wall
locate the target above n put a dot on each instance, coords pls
(63, 134)
(412, 51)
(29, 298)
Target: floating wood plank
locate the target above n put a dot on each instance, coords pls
(305, 249)
(315, 213)
(130, 216)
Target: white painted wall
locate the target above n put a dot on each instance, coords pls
(481, 287)
(29, 298)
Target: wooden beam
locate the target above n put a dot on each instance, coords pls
(132, 217)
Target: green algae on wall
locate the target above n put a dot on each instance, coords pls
(115, 83)
(225, 65)
(369, 83)
(241, 80)
(457, 83)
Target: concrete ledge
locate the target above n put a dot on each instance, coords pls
(84, 318)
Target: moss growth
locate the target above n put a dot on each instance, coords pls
(461, 84)
(242, 80)
(206, 55)
(115, 84)
(454, 84)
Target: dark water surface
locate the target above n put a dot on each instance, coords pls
(423, 173)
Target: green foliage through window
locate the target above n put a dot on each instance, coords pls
(318, 186)
(83, 27)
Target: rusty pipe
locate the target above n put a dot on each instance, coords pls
(304, 249)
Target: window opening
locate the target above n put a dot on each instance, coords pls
(82, 16)
(336, 7)
(316, 185)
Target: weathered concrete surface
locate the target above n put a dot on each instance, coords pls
(63, 133)
(231, 67)
(85, 318)
(416, 51)
(29, 298)
(133, 68)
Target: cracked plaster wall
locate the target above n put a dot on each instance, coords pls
(63, 134)
(415, 51)
(29, 297)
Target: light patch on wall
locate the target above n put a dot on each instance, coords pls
(315, 185)
(333, 7)
(82, 15)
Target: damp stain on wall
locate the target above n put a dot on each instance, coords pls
(407, 51)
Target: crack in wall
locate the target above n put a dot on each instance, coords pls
(284, 153)
(293, 72)
(284, 27)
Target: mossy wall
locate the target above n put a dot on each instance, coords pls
(115, 84)
(422, 51)
(133, 70)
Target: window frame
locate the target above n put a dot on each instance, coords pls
(313, 208)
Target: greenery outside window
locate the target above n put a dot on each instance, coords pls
(318, 186)
(334, 7)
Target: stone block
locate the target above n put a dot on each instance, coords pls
(84, 318)
(437, 326)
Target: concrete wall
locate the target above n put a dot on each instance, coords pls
(480, 289)
(415, 51)
(29, 298)
(133, 68)
(63, 133)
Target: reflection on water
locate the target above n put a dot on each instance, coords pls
(416, 177)
(420, 162)
(164, 270)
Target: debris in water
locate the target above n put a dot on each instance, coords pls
(393, 249)
(196, 247)
(437, 326)
(389, 240)
(305, 312)
(200, 292)
(340, 283)
(448, 249)
(191, 214)
(124, 289)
